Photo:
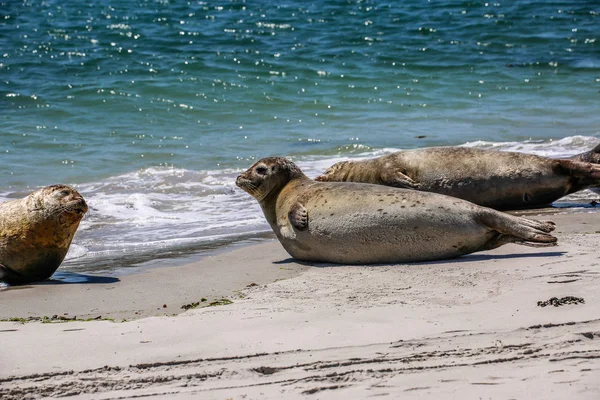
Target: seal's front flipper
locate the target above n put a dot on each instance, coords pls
(298, 217)
(298, 221)
(397, 178)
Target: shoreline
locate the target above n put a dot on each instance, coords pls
(211, 277)
(470, 326)
(217, 276)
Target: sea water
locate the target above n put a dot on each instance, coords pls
(150, 108)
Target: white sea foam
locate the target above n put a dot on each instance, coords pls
(160, 210)
(565, 147)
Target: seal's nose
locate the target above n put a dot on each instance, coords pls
(83, 207)
(238, 180)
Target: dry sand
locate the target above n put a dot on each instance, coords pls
(466, 328)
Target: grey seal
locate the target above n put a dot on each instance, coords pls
(496, 179)
(354, 223)
(36, 232)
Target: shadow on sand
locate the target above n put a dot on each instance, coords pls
(65, 278)
(463, 259)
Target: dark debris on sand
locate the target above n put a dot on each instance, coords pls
(556, 302)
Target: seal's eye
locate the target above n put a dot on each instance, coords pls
(262, 170)
(65, 192)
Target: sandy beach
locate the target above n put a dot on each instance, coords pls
(272, 328)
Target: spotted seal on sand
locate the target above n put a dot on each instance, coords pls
(497, 179)
(354, 223)
(36, 232)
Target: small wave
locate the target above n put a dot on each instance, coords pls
(162, 209)
(561, 148)
(565, 147)
(587, 63)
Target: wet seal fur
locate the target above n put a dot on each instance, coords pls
(496, 179)
(36, 232)
(354, 223)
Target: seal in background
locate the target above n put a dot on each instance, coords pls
(497, 179)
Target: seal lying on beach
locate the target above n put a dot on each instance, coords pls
(36, 232)
(497, 179)
(354, 223)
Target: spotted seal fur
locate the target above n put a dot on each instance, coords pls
(496, 179)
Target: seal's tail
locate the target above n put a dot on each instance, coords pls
(592, 156)
(512, 229)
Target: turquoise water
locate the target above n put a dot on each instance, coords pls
(151, 108)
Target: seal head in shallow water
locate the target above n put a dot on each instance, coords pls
(497, 179)
(354, 223)
(36, 232)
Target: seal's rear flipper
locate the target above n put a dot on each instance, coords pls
(501, 240)
(512, 229)
(9, 276)
(584, 173)
(592, 156)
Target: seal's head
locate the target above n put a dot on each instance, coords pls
(268, 176)
(58, 201)
(336, 173)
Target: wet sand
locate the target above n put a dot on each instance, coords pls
(155, 292)
(464, 328)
